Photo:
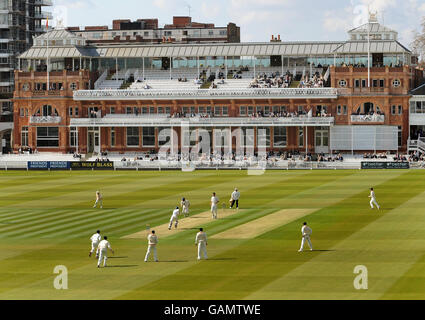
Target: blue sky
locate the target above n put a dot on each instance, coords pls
(258, 19)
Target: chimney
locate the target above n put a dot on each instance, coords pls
(278, 37)
(272, 37)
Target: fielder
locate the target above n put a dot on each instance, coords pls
(214, 202)
(306, 232)
(152, 242)
(99, 200)
(373, 199)
(174, 217)
(95, 240)
(235, 199)
(103, 247)
(201, 242)
(185, 204)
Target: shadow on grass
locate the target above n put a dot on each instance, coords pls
(124, 266)
(117, 257)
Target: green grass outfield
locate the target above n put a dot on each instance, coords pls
(46, 219)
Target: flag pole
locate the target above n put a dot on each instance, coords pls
(48, 55)
(368, 49)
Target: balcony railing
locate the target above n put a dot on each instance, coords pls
(132, 120)
(368, 118)
(149, 94)
(48, 119)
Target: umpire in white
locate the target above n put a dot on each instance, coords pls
(235, 199)
(152, 242)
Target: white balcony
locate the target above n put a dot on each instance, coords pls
(43, 15)
(42, 29)
(43, 2)
(417, 119)
(48, 119)
(206, 94)
(368, 118)
(6, 83)
(163, 121)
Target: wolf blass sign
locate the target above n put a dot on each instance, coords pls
(213, 310)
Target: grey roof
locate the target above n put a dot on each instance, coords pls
(288, 49)
(60, 34)
(374, 28)
(387, 46)
(55, 53)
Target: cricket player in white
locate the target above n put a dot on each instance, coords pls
(99, 200)
(103, 247)
(214, 202)
(373, 199)
(95, 240)
(236, 195)
(152, 242)
(306, 232)
(201, 242)
(185, 207)
(174, 217)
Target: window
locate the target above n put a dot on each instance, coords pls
(193, 110)
(258, 109)
(364, 83)
(400, 137)
(339, 110)
(128, 110)
(357, 83)
(225, 111)
(148, 137)
(343, 83)
(300, 137)
(73, 86)
(185, 110)
(375, 83)
(144, 110)
(73, 134)
(70, 111)
(217, 111)
(344, 110)
(168, 110)
(26, 86)
(210, 33)
(400, 110)
(111, 110)
(76, 112)
(201, 110)
(208, 110)
(266, 110)
(393, 110)
(132, 137)
(263, 137)
(47, 111)
(382, 83)
(276, 109)
(48, 137)
(250, 110)
(396, 83)
(279, 137)
(22, 112)
(113, 137)
(152, 110)
(24, 137)
(161, 110)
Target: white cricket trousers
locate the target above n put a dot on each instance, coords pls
(306, 238)
(103, 255)
(374, 202)
(171, 222)
(185, 211)
(98, 202)
(148, 253)
(94, 247)
(214, 211)
(202, 248)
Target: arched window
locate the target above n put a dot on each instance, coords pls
(47, 111)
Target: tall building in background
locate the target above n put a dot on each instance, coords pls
(20, 22)
(147, 31)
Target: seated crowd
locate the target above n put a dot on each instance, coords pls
(273, 81)
(317, 81)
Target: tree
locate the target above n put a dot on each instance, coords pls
(418, 44)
